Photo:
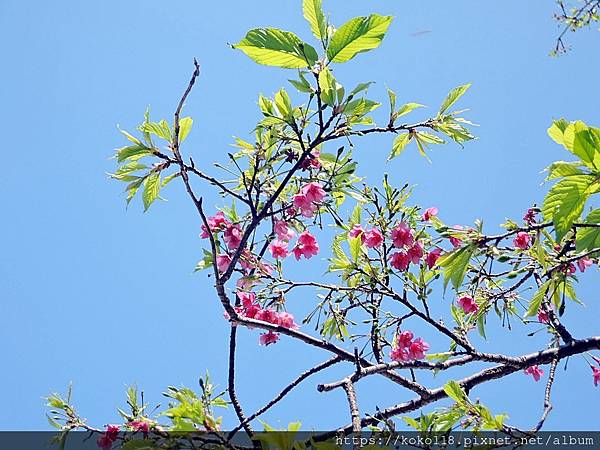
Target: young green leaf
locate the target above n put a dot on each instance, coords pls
(456, 392)
(399, 144)
(455, 265)
(327, 85)
(453, 97)
(589, 238)
(278, 48)
(313, 13)
(185, 126)
(151, 189)
(358, 35)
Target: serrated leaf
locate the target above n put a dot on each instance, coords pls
(453, 96)
(358, 35)
(560, 169)
(538, 298)
(185, 126)
(455, 265)
(278, 48)
(160, 129)
(151, 189)
(455, 392)
(283, 103)
(407, 108)
(327, 85)
(400, 143)
(589, 238)
(313, 13)
(133, 152)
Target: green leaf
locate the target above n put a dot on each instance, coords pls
(407, 108)
(358, 35)
(565, 201)
(313, 13)
(455, 392)
(151, 189)
(538, 298)
(185, 126)
(589, 238)
(399, 144)
(303, 85)
(586, 145)
(355, 247)
(160, 129)
(133, 153)
(273, 47)
(455, 265)
(327, 85)
(557, 131)
(561, 169)
(453, 97)
(283, 103)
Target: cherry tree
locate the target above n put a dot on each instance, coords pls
(389, 262)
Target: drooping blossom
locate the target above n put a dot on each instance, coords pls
(429, 213)
(432, 257)
(279, 249)
(569, 269)
(286, 320)
(140, 427)
(223, 262)
(542, 316)
(283, 230)
(522, 240)
(535, 371)
(216, 223)
(529, 216)
(233, 236)
(405, 349)
(467, 304)
(268, 338)
(106, 440)
(584, 263)
(357, 230)
(596, 375)
(415, 253)
(400, 261)
(306, 246)
(402, 235)
(456, 242)
(373, 238)
(306, 200)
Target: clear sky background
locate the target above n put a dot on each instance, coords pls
(104, 297)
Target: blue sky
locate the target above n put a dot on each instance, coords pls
(104, 297)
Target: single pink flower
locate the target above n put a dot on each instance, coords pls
(529, 216)
(312, 161)
(417, 349)
(584, 263)
(233, 236)
(569, 269)
(140, 427)
(306, 246)
(106, 440)
(268, 338)
(415, 253)
(216, 223)
(223, 262)
(357, 230)
(543, 316)
(404, 339)
(373, 238)
(286, 320)
(399, 354)
(402, 235)
(307, 207)
(247, 298)
(522, 240)
(535, 371)
(429, 213)
(279, 249)
(283, 230)
(432, 257)
(596, 375)
(467, 304)
(400, 261)
(313, 191)
(456, 242)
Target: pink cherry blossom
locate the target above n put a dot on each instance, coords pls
(417, 349)
(456, 242)
(529, 216)
(584, 263)
(286, 320)
(373, 238)
(312, 162)
(400, 261)
(357, 230)
(543, 316)
(223, 262)
(307, 207)
(429, 213)
(314, 192)
(279, 249)
(415, 253)
(467, 304)
(233, 236)
(535, 371)
(140, 427)
(404, 339)
(268, 338)
(402, 235)
(432, 257)
(283, 230)
(216, 223)
(522, 240)
(306, 246)
(596, 375)
(247, 298)
(267, 315)
(106, 440)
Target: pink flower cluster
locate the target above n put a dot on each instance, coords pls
(251, 309)
(411, 250)
(522, 240)
(371, 238)
(106, 440)
(307, 199)
(232, 232)
(467, 304)
(407, 349)
(535, 371)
